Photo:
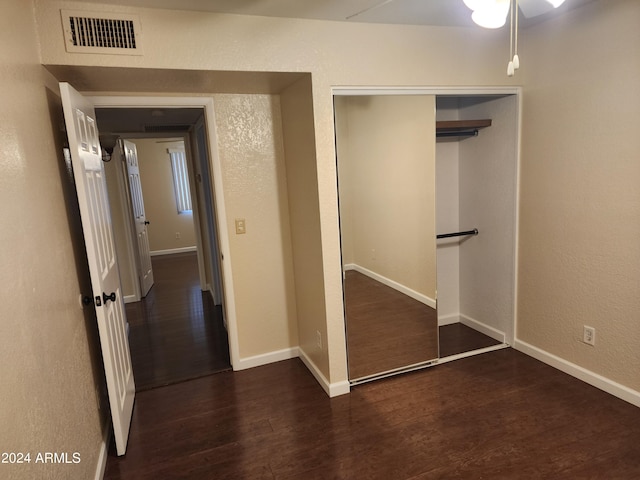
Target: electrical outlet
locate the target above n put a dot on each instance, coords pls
(589, 335)
(177, 235)
(318, 340)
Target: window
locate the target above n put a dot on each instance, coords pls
(180, 180)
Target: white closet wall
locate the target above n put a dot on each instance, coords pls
(447, 217)
(486, 199)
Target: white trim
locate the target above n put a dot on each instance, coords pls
(266, 358)
(516, 251)
(130, 299)
(392, 284)
(616, 389)
(483, 328)
(171, 251)
(104, 450)
(448, 319)
(331, 389)
(442, 91)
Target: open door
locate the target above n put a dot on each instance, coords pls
(91, 189)
(140, 221)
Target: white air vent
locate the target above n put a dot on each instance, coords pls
(97, 32)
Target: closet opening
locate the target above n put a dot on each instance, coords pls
(427, 183)
(476, 180)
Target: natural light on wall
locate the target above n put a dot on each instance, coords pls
(180, 180)
(493, 14)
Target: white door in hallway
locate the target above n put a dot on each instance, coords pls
(91, 189)
(139, 218)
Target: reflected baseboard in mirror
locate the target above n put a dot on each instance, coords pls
(386, 329)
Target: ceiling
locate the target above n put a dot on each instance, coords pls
(407, 12)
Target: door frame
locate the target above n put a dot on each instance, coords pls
(206, 103)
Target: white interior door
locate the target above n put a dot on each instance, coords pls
(91, 189)
(145, 270)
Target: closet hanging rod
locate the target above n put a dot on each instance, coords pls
(458, 234)
(462, 133)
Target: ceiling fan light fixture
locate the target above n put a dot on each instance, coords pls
(474, 5)
(489, 13)
(488, 20)
(555, 3)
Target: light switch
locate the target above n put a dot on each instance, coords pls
(240, 226)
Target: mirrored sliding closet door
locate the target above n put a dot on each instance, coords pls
(385, 148)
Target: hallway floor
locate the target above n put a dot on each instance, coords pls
(176, 333)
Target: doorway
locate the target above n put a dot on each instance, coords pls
(176, 330)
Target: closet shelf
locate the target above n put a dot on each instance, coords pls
(460, 128)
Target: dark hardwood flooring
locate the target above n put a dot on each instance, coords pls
(176, 332)
(386, 329)
(499, 415)
(458, 338)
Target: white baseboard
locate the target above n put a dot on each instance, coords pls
(625, 393)
(130, 299)
(104, 451)
(171, 251)
(448, 319)
(483, 328)
(393, 284)
(266, 358)
(331, 389)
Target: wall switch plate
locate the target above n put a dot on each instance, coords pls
(589, 335)
(241, 227)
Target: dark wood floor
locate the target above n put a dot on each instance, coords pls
(499, 415)
(176, 332)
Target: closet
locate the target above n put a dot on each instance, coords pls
(476, 180)
(427, 185)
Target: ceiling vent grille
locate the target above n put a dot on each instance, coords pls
(90, 32)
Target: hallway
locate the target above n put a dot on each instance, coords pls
(176, 333)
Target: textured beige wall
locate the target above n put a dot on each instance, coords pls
(48, 344)
(251, 153)
(335, 53)
(302, 184)
(388, 221)
(580, 196)
(159, 196)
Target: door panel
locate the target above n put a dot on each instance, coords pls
(103, 268)
(139, 217)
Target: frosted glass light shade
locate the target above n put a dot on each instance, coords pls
(474, 5)
(489, 13)
(555, 3)
(488, 19)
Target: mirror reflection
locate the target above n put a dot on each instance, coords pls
(385, 148)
